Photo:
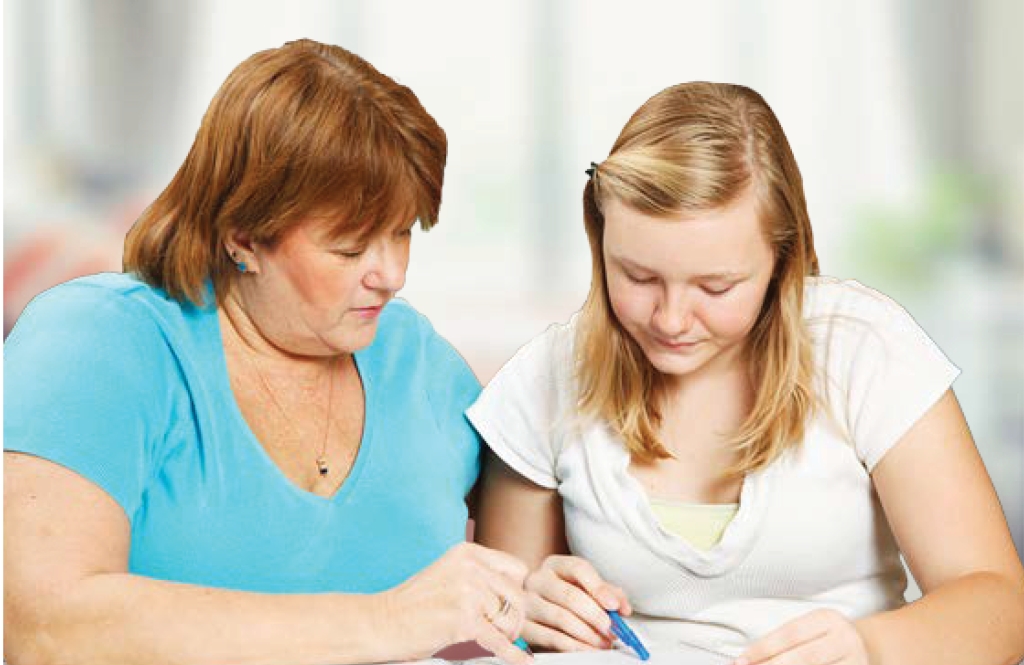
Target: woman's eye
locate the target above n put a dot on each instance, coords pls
(349, 253)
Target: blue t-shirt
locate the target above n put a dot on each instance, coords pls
(129, 388)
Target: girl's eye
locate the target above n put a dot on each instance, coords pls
(718, 290)
(640, 280)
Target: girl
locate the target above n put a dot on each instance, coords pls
(744, 446)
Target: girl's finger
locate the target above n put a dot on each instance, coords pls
(547, 637)
(576, 600)
(563, 620)
(784, 638)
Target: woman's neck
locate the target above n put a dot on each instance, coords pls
(242, 335)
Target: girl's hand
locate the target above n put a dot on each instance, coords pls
(470, 593)
(822, 637)
(566, 606)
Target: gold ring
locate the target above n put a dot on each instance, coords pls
(506, 605)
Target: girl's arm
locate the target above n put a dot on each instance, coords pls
(69, 598)
(517, 516)
(566, 598)
(947, 521)
(949, 525)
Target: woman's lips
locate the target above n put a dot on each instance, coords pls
(368, 312)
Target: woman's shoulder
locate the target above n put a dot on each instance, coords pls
(407, 341)
(110, 303)
(403, 324)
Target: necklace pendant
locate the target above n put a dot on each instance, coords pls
(321, 466)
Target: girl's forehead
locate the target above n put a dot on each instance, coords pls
(727, 234)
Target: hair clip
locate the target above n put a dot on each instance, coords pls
(592, 170)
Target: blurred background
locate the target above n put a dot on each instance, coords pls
(906, 116)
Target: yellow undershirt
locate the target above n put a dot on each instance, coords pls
(701, 525)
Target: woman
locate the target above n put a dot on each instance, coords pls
(742, 446)
(242, 449)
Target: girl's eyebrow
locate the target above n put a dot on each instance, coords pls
(630, 264)
(725, 275)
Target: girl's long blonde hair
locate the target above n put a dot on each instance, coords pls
(303, 129)
(690, 148)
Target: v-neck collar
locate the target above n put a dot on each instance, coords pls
(608, 463)
(255, 448)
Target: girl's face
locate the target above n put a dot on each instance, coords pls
(688, 289)
(310, 295)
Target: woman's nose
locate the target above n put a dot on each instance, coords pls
(389, 263)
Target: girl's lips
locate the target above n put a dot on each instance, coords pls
(678, 345)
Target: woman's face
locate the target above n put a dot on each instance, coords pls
(310, 295)
(688, 289)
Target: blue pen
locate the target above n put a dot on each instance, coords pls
(628, 637)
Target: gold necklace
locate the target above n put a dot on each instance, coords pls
(322, 467)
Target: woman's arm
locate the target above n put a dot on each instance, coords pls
(948, 523)
(69, 598)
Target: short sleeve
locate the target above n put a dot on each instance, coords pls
(454, 387)
(83, 388)
(518, 411)
(892, 374)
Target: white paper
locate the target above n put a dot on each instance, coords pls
(660, 655)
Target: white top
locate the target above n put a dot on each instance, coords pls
(810, 532)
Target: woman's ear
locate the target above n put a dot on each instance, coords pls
(240, 249)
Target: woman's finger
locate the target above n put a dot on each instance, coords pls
(492, 639)
(499, 562)
(507, 611)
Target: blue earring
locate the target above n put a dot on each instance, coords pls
(241, 266)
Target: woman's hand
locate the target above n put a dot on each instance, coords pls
(822, 637)
(470, 593)
(566, 606)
